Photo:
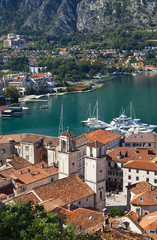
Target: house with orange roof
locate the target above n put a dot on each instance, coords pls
(43, 81)
(22, 177)
(140, 140)
(116, 158)
(70, 193)
(137, 171)
(130, 221)
(83, 219)
(141, 198)
(149, 224)
(21, 82)
(145, 202)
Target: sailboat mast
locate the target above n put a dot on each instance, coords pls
(131, 109)
(61, 122)
(90, 113)
(97, 114)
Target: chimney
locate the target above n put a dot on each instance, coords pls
(42, 165)
(151, 188)
(28, 170)
(102, 229)
(104, 211)
(20, 172)
(138, 213)
(69, 206)
(126, 154)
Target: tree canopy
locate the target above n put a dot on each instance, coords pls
(11, 92)
(25, 221)
(115, 211)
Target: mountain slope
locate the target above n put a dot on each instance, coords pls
(57, 17)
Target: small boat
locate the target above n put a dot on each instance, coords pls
(44, 107)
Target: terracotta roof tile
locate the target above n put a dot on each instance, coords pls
(140, 137)
(27, 197)
(29, 174)
(51, 141)
(140, 187)
(102, 136)
(152, 227)
(125, 154)
(19, 162)
(95, 144)
(31, 138)
(132, 214)
(3, 108)
(38, 75)
(148, 219)
(68, 134)
(8, 138)
(82, 218)
(82, 140)
(142, 165)
(148, 198)
(67, 189)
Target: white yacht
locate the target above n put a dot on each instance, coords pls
(93, 121)
(121, 125)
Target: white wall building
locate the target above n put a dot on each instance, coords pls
(137, 171)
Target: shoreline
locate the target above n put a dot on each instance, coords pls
(29, 98)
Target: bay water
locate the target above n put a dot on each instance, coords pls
(141, 90)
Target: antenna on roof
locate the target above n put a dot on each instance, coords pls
(61, 122)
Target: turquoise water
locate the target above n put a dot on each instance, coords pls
(141, 90)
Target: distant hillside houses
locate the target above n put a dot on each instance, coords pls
(25, 84)
(15, 40)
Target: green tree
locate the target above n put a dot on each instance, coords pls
(25, 221)
(115, 211)
(11, 92)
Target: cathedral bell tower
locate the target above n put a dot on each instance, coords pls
(95, 172)
(67, 154)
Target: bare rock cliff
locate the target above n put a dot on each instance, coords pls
(57, 17)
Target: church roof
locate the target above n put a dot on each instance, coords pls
(95, 144)
(68, 134)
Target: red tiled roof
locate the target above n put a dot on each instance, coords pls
(148, 198)
(102, 136)
(68, 134)
(142, 165)
(125, 154)
(29, 174)
(152, 227)
(19, 162)
(3, 108)
(38, 75)
(140, 187)
(82, 218)
(27, 197)
(66, 190)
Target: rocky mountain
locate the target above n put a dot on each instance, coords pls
(57, 17)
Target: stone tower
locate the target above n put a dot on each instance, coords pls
(95, 172)
(67, 154)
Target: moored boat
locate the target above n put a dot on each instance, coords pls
(44, 107)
